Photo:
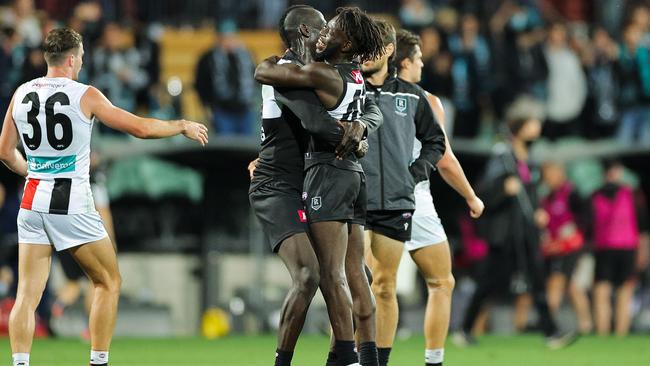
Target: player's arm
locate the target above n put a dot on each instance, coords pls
(358, 130)
(9, 154)
(432, 137)
(94, 103)
(372, 117)
(315, 75)
(449, 166)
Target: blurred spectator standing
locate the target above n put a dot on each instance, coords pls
(618, 222)
(22, 17)
(11, 58)
(416, 13)
(567, 85)
(599, 61)
(562, 243)
(116, 67)
(225, 84)
(469, 71)
(634, 79)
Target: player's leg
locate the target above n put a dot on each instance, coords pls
(298, 256)
(330, 241)
(363, 302)
(581, 305)
(603, 307)
(624, 296)
(522, 306)
(383, 256)
(555, 288)
(33, 269)
(434, 263)
(99, 261)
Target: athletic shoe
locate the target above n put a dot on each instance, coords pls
(561, 339)
(462, 339)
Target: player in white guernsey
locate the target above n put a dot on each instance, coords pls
(428, 245)
(53, 117)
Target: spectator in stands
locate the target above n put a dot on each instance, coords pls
(567, 85)
(22, 16)
(34, 66)
(633, 69)
(599, 59)
(562, 243)
(617, 226)
(116, 68)
(416, 13)
(640, 16)
(11, 56)
(224, 81)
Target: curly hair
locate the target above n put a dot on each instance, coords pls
(362, 31)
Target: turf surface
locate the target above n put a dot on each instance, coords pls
(259, 350)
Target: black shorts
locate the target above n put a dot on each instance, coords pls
(395, 224)
(334, 194)
(564, 264)
(279, 209)
(615, 266)
(71, 268)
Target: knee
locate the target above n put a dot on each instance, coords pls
(384, 290)
(445, 283)
(364, 310)
(108, 282)
(307, 281)
(333, 280)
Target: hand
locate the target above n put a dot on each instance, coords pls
(542, 218)
(252, 166)
(512, 186)
(362, 150)
(352, 135)
(420, 170)
(476, 207)
(195, 131)
(273, 59)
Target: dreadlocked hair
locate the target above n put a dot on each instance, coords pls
(405, 48)
(284, 32)
(362, 31)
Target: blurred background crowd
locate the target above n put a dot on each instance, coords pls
(583, 66)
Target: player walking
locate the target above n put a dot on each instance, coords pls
(53, 116)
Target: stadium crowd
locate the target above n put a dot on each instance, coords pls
(587, 62)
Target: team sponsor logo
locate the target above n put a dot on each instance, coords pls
(356, 75)
(302, 216)
(400, 104)
(304, 196)
(316, 203)
(51, 164)
(406, 226)
(407, 215)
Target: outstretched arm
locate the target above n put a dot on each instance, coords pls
(449, 166)
(94, 103)
(9, 155)
(316, 75)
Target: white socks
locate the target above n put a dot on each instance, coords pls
(98, 357)
(20, 359)
(434, 355)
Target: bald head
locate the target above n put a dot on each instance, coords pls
(296, 16)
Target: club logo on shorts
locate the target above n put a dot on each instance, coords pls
(400, 104)
(316, 203)
(302, 216)
(407, 215)
(406, 226)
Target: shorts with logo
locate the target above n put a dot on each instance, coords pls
(395, 224)
(427, 227)
(334, 194)
(279, 209)
(61, 231)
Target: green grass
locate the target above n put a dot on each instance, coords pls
(259, 350)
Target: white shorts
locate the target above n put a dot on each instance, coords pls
(61, 231)
(426, 225)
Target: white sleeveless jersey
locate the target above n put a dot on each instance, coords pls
(56, 137)
(350, 106)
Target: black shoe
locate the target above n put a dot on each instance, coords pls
(561, 339)
(463, 339)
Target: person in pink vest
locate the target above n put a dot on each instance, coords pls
(616, 238)
(562, 243)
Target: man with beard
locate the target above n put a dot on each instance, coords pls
(334, 188)
(277, 175)
(392, 177)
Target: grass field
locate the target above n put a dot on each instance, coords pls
(259, 351)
